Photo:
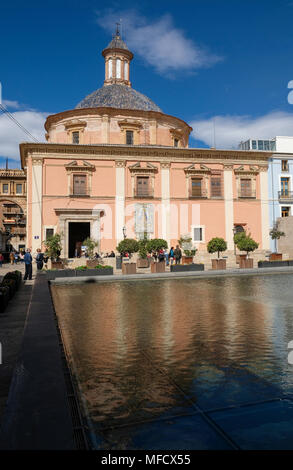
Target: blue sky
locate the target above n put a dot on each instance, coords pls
(227, 62)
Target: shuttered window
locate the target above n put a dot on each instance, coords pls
(79, 184)
(216, 186)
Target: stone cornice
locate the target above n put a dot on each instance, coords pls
(146, 115)
(12, 173)
(146, 153)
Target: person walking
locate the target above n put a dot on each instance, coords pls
(161, 255)
(171, 255)
(11, 257)
(166, 252)
(39, 259)
(177, 254)
(28, 265)
(1, 260)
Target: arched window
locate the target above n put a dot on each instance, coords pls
(118, 68)
(125, 70)
(110, 68)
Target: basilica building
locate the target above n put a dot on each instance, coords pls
(116, 166)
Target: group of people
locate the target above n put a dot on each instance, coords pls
(40, 258)
(170, 257)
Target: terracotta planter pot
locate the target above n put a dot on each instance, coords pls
(92, 263)
(158, 267)
(276, 257)
(239, 257)
(57, 265)
(128, 268)
(187, 259)
(218, 264)
(246, 263)
(142, 263)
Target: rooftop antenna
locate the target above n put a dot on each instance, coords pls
(121, 27)
(117, 29)
(6, 163)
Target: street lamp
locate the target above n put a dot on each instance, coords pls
(124, 232)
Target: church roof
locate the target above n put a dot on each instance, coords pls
(118, 96)
(117, 43)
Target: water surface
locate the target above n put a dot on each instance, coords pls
(183, 364)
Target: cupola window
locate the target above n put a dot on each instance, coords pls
(176, 142)
(129, 137)
(118, 68)
(75, 137)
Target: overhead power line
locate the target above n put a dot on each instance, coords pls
(10, 116)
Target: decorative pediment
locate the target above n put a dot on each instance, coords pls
(193, 171)
(253, 171)
(86, 166)
(147, 168)
(176, 133)
(131, 125)
(75, 124)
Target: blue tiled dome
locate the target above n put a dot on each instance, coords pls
(118, 96)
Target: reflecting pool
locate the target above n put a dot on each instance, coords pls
(182, 364)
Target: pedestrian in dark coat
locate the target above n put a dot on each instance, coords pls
(28, 265)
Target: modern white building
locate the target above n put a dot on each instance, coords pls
(280, 175)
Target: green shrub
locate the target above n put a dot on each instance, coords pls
(4, 298)
(81, 268)
(217, 245)
(247, 244)
(101, 266)
(190, 252)
(90, 246)
(11, 284)
(156, 244)
(15, 275)
(53, 246)
(129, 245)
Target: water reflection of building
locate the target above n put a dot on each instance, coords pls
(130, 342)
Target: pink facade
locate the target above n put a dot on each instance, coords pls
(117, 164)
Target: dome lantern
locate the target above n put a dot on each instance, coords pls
(117, 60)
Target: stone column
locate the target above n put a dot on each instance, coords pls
(229, 206)
(37, 187)
(264, 197)
(120, 199)
(165, 198)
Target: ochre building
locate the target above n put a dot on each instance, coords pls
(117, 166)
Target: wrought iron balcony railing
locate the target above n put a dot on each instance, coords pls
(286, 195)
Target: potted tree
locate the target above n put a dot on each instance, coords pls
(142, 261)
(246, 244)
(238, 236)
(188, 250)
(217, 245)
(276, 235)
(156, 245)
(54, 248)
(90, 245)
(130, 246)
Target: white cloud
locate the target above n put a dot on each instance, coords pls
(231, 130)
(158, 42)
(11, 104)
(11, 135)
